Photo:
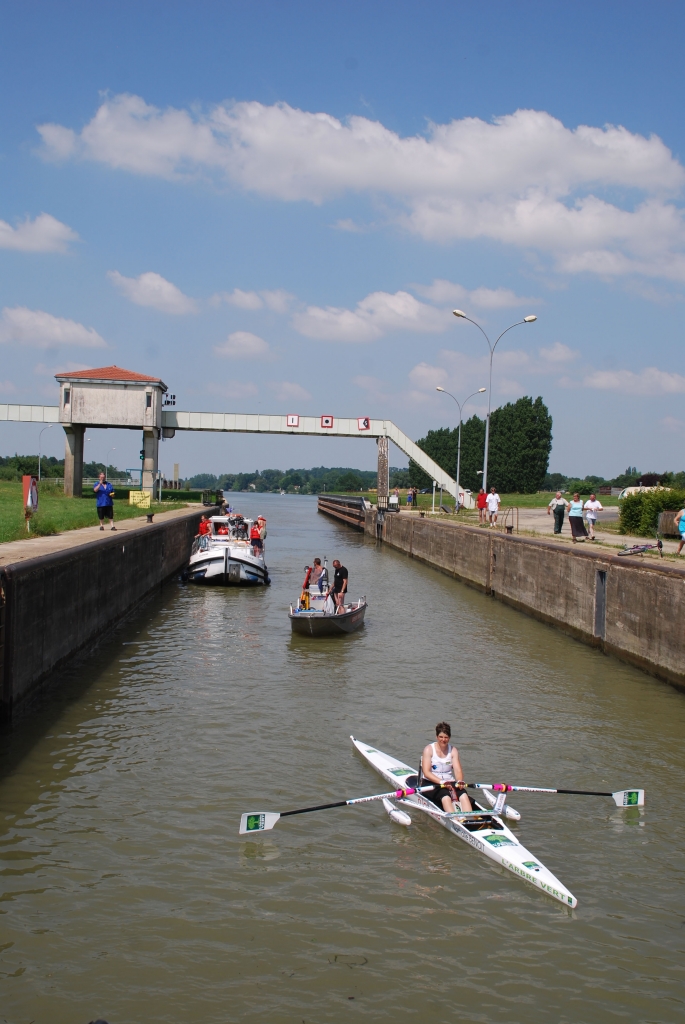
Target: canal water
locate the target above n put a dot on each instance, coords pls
(128, 894)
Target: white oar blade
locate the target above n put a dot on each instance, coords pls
(257, 821)
(629, 798)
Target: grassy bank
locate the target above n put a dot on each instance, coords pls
(56, 513)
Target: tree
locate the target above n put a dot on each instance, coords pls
(350, 482)
(520, 443)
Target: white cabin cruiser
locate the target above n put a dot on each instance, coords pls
(225, 555)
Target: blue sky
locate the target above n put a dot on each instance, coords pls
(275, 206)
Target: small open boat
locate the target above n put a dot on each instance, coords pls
(312, 622)
(314, 614)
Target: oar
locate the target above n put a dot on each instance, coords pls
(622, 798)
(262, 821)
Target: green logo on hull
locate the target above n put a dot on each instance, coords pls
(497, 841)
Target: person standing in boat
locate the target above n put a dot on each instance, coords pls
(339, 588)
(316, 578)
(440, 764)
(256, 540)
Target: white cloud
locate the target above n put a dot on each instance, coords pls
(347, 224)
(557, 354)
(523, 179)
(233, 389)
(426, 377)
(372, 385)
(153, 290)
(42, 370)
(286, 391)
(649, 381)
(373, 317)
(35, 328)
(672, 425)
(242, 345)
(43, 234)
(239, 298)
(278, 300)
(7, 387)
(448, 292)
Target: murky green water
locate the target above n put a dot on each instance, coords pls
(128, 894)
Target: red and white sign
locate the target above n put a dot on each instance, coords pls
(30, 492)
(363, 423)
(327, 422)
(292, 420)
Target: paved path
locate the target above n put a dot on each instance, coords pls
(536, 521)
(19, 550)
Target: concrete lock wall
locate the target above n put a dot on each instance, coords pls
(59, 604)
(630, 608)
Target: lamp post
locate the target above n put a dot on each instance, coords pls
(106, 458)
(460, 405)
(463, 316)
(39, 440)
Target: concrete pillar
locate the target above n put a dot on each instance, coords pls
(151, 458)
(383, 471)
(73, 461)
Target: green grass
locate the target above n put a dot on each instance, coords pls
(57, 513)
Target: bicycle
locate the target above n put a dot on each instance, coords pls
(639, 549)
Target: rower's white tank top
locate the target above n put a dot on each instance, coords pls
(442, 766)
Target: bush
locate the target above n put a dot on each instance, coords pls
(43, 527)
(639, 513)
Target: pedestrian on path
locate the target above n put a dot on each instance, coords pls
(482, 502)
(493, 501)
(575, 519)
(680, 521)
(104, 492)
(558, 506)
(410, 495)
(592, 507)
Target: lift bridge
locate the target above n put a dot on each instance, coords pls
(113, 397)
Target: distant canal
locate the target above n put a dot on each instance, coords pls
(127, 893)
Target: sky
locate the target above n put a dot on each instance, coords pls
(275, 207)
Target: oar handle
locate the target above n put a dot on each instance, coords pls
(503, 787)
(397, 793)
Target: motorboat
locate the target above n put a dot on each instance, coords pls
(224, 556)
(315, 614)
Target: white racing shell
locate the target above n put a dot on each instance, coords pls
(496, 841)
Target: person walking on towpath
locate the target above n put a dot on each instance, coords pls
(558, 506)
(575, 519)
(339, 588)
(104, 492)
(482, 502)
(440, 764)
(680, 523)
(493, 501)
(592, 507)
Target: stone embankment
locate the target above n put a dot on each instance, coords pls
(61, 595)
(628, 607)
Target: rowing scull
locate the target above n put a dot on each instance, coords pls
(488, 835)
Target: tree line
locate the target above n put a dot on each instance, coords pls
(293, 481)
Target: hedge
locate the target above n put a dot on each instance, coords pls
(639, 513)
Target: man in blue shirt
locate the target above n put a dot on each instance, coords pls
(104, 493)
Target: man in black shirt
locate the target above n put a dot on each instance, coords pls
(339, 588)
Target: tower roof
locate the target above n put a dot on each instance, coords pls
(104, 374)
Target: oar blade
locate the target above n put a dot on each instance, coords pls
(629, 798)
(257, 821)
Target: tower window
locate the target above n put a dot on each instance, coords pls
(148, 400)
(67, 395)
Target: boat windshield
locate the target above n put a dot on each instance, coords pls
(234, 528)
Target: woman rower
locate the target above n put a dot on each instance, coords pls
(440, 764)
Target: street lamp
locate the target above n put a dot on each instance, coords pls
(39, 437)
(463, 316)
(106, 458)
(480, 391)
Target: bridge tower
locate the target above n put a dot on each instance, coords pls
(110, 397)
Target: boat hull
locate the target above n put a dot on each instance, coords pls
(317, 624)
(224, 569)
(498, 843)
